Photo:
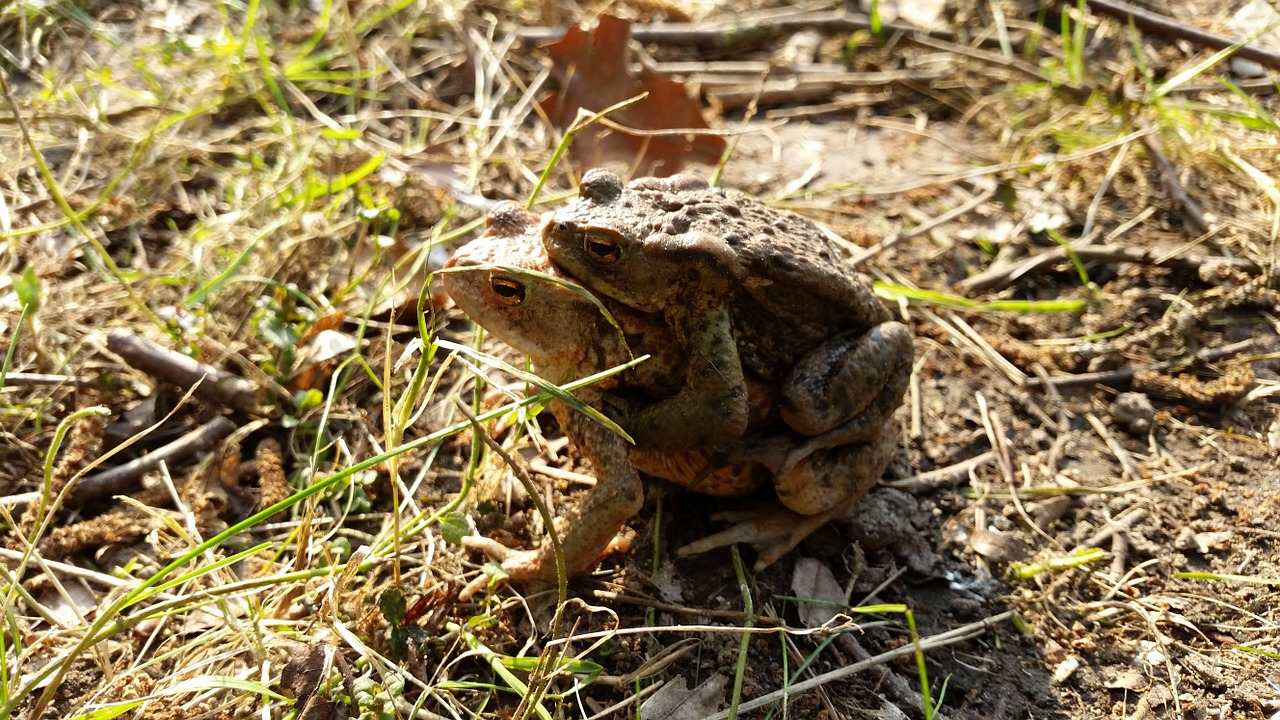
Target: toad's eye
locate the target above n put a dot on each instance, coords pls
(509, 292)
(602, 249)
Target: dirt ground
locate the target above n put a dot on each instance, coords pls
(1087, 492)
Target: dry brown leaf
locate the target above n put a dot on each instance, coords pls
(998, 546)
(814, 581)
(593, 70)
(675, 701)
(308, 668)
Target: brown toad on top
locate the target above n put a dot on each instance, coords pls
(743, 287)
(505, 282)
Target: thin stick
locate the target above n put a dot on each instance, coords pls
(170, 366)
(751, 29)
(951, 637)
(1127, 463)
(1125, 521)
(1002, 276)
(1195, 215)
(949, 476)
(115, 480)
(1118, 377)
(1161, 25)
(995, 58)
(20, 379)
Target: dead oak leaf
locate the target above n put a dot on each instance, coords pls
(592, 66)
(305, 676)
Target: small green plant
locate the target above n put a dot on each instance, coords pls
(922, 669)
(1073, 41)
(27, 287)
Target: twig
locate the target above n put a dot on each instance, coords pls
(959, 634)
(994, 58)
(1001, 276)
(1055, 398)
(1119, 377)
(79, 573)
(1162, 25)
(1258, 86)
(733, 616)
(752, 29)
(843, 103)
(173, 367)
(1171, 183)
(19, 378)
(803, 88)
(115, 480)
(949, 476)
(897, 687)
(722, 73)
(1119, 553)
(916, 399)
(1127, 463)
(1122, 523)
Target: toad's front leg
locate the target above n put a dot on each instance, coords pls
(588, 531)
(711, 409)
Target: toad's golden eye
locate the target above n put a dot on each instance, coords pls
(602, 249)
(510, 292)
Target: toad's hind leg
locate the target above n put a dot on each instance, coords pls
(849, 377)
(852, 402)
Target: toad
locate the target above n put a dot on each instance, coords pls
(506, 283)
(745, 289)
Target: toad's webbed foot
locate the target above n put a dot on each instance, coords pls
(772, 530)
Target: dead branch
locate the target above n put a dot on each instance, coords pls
(842, 103)
(771, 94)
(1125, 521)
(1162, 25)
(1121, 377)
(994, 58)
(117, 479)
(1002, 276)
(729, 72)
(1170, 176)
(949, 476)
(960, 634)
(754, 29)
(173, 367)
(1257, 86)
(738, 92)
(18, 379)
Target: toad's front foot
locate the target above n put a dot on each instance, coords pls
(519, 565)
(530, 565)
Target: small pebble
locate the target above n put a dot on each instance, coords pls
(1134, 412)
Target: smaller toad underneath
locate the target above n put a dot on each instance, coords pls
(505, 282)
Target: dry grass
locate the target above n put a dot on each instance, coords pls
(266, 190)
